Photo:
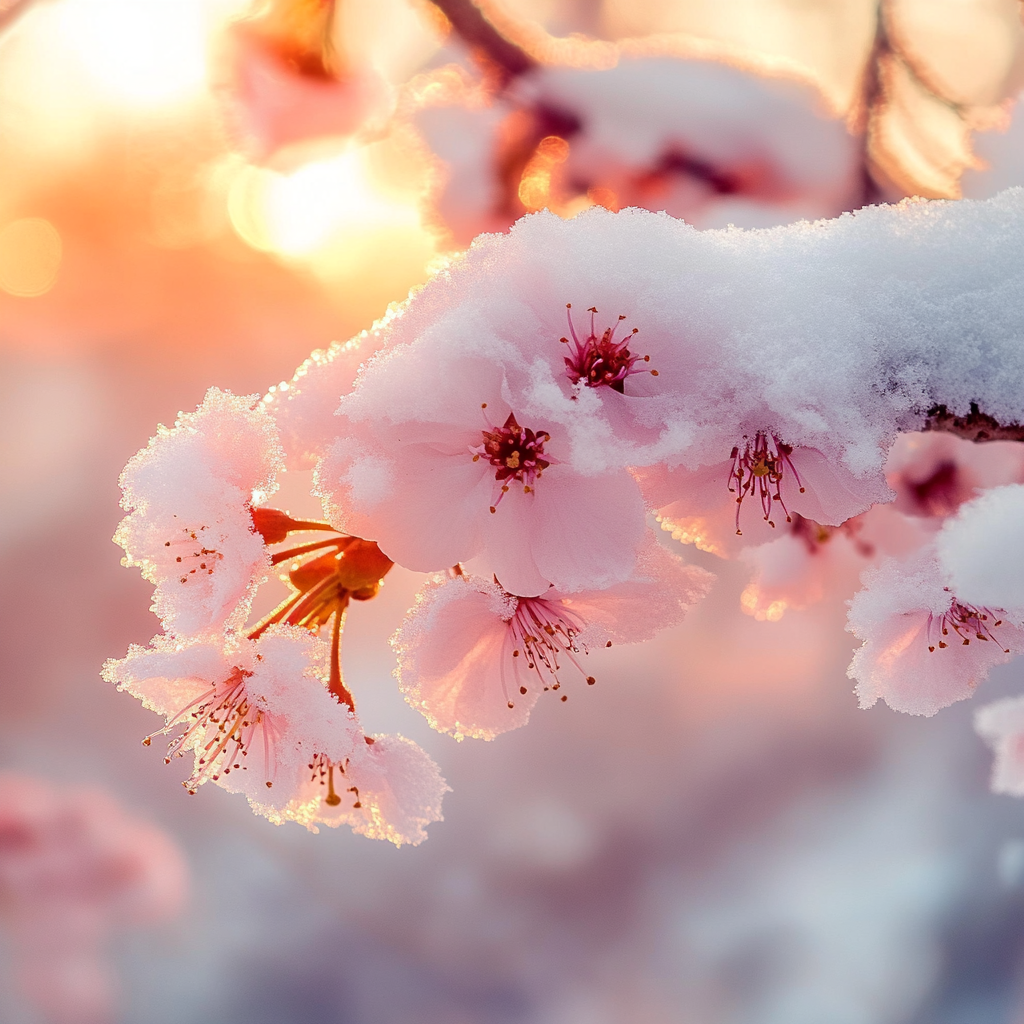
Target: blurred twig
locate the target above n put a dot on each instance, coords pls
(472, 27)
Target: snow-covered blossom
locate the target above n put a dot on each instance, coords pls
(1002, 725)
(474, 658)
(304, 407)
(705, 140)
(389, 789)
(925, 646)
(74, 866)
(189, 494)
(982, 549)
(438, 463)
(261, 721)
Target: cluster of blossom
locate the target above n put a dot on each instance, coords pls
(73, 867)
(514, 427)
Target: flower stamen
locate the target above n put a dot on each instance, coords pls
(966, 622)
(757, 468)
(600, 360)
(516, 452)
(542, 634)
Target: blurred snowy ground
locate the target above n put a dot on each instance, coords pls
(713, 833)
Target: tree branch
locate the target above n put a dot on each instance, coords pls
(472, 27)
(976, 426)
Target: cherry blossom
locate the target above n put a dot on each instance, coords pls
(449, 468)
(284, 80)
(924, 646)
(261, 720)
(252, 711)
(933, 474)
(749, 498)
(304, 407)
(389, 789)
(74, 867)
(474, 658)
(189, 494)
(798, 568)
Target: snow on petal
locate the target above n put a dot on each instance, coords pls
(388, 789)
(982, 549)
(923, 648)
(253, 712)
(304, 407)
(438, 467)
(189, 495)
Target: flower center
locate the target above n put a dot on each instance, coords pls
(966, 622)
(515, 452)
(323, 769)
(191, 555)
(600, 360)
(543, 635)
(227, 720)
(757, 469)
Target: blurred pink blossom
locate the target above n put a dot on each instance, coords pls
(74, 867)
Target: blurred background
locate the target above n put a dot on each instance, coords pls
(198, 192)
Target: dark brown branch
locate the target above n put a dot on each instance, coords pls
(508, 60)
(975, 426)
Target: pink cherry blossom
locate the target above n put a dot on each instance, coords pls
(797, 569)
(748, 498)
(73, 868)
(389, 788)
(1002, 725)
(254, 712)
(435, 463)
(271, 103)
(933, 474)
(304, 407)
(189, 494)
(474, 658)
(261, 721)
(924, 648)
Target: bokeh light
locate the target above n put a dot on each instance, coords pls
(30, 255)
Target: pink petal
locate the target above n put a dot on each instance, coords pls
(455, 663)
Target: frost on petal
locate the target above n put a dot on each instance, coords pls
(439, 468)
(389, 789)
(1002, 726)
(253, 712)
(923, 649)
(304, 407)
(982, 549)
(189, 495)
(455, 661)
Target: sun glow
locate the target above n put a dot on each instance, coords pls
(142, 52)
(320, 214)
